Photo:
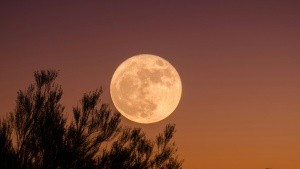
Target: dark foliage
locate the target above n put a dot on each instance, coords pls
(37, 136)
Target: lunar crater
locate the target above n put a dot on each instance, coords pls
(143, 88)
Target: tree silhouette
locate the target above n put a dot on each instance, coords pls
(37, 136)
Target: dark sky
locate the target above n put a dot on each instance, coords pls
(239, 63)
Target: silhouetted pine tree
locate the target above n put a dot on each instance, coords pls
(36, 135)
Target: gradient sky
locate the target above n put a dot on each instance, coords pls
(239, 63)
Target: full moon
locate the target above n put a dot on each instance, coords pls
(145, 88)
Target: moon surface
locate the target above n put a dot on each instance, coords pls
(145, 88)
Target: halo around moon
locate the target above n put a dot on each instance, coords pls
(145, 88)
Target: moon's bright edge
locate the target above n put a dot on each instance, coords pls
(146, 88)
